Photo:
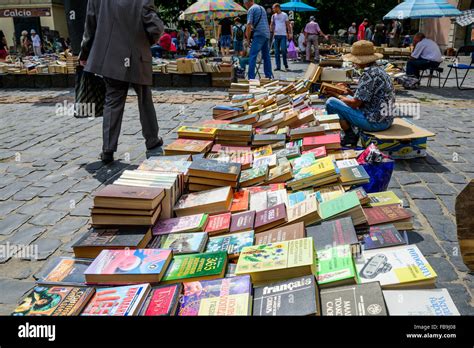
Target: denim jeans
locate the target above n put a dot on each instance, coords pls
(354, 117)
(260, 44)
(414, 66)
(281, 46)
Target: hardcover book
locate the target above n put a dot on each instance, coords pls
(242, 221)
(297, 296)
(346, 205)
(333, 233)
(395, 267)
(270, 218)
(280, 234)
(128, 197)
(231, 243)
(207, 168)
(400, 217)
(335, 267)
(436, 302)
(54, 301)
(354, 176)
(190, 223)
(196, 267)
(253, 176)
(96, 240)
(381, 236)
(187, 146)
(128, 266)
(218, 224)
(210, 202)
(220, 297)
(185, 243)
(277, 261)
(117, 301)
(162, 301)
(354, 300)
(318, 152)
(64, 271)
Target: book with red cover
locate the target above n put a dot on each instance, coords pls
(240, 202)
(270, 218)
(242, 222)
(330, 141)
(218, 224)
(319, 152)
(281, 234)
(386, 214)
(162, 301)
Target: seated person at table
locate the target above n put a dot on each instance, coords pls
(426, 55)
(163, 45)
(192, 45)
(369, 107)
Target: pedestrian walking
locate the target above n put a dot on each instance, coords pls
(281, 28)
(118, 48)
(312, 32)
(258, 34)
(238, 36)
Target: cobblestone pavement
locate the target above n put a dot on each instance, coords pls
(49, 170)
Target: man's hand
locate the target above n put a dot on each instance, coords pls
(83, 62)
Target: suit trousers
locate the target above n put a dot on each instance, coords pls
(115, 98)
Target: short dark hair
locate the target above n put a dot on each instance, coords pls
(366, 20)
(237, 19)
(420, 35)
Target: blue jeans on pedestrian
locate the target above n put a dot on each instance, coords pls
(260, 44)
(281, 46)
(354, 116)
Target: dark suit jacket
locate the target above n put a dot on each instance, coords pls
(117, 39)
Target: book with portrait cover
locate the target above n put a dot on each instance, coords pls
(193, 267)
(219, 297)
(296, 296)
(65, 271)
(128, 266)
(97, 239)
(162, 301)
(190, 223)
(54, 301)
(231, 243)
(185, 243)
(353, 300)
(117, 301)
(381, 236)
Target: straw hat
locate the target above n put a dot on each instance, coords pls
(362, 52)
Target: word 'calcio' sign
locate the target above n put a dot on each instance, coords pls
(25, 12)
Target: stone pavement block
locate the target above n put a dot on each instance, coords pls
(28, 193)
(430, 178)
(449, 202)
(407, 178)
(66, 202)
(83, 208)
(443, 227)
(10, 190)
(33, 207)
(68, 227)
(47, 218)
(456, 178)
(428, 207)
(46, 247)
(58, 188)
(425, 242)
(419, 192)
(454, 254)
(8, 206)
(13, 290)
(443, 269)
(12, 222)
(442, 189)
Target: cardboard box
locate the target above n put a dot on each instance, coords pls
(336, 75)
(403, 140)
(185, 66)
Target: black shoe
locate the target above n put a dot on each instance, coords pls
(277, 69)
(107, 157)
(156, 150)
(350, 139)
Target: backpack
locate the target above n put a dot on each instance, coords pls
(239, 35)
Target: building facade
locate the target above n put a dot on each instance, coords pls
(40, 15)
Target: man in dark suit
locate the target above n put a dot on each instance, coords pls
(116, 44)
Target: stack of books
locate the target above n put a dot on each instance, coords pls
(206, 174)
(127, 205)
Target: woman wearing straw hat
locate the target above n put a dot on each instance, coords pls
(369, 107)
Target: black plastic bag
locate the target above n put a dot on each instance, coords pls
(90, 94)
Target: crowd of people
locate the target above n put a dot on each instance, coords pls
(31, 44)
(379, 34)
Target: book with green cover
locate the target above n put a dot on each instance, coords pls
(335, 267)
(194, 267)
(277, 261)
(339, 205)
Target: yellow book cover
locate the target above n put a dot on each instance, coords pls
(197, 130)
(383, 198)
(281, 255)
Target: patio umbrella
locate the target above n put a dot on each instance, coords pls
(204, 10)
(297, 6)
(466, 18)
(423, 9)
